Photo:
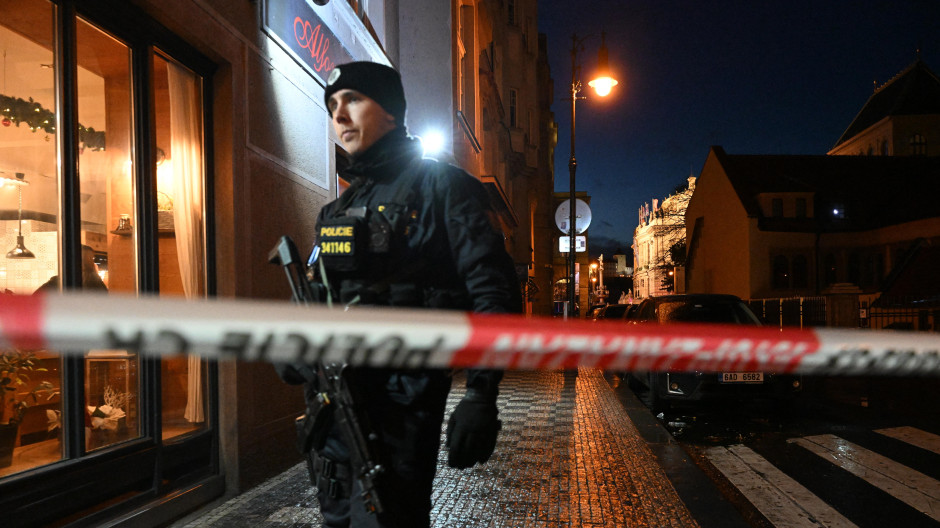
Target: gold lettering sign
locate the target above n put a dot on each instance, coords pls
(336, 231)
(337, 248)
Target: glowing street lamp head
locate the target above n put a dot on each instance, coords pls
(603, 82)
(603, 85)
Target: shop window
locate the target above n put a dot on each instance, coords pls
(106, 178)
(112, 404)
(181, 233)
(31, 410)
(781, 273)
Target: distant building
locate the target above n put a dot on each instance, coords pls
(659, 236)
(775, 226)
(899, 119)
(763, 226)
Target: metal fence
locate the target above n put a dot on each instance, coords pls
(904, 313)
(876, 313)
(791, 311)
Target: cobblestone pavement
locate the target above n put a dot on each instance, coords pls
(568, 455)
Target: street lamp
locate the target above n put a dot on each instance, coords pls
(602, 84)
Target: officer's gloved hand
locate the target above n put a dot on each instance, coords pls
(472, 430)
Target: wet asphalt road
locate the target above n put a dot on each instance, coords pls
(856, 412)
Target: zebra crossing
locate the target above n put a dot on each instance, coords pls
(787, 501)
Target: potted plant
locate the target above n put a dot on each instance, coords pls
(16, 366)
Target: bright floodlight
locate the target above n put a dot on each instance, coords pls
(433, 142)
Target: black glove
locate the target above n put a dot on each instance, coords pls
(472, 431)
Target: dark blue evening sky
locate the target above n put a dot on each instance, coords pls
(753, 76)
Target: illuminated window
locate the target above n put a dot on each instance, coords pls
(140, 136)
(31, 402)
(112, 377)
(181, 238)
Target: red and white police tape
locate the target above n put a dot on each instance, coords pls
(280, 331)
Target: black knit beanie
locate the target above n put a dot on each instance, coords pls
(377, 81)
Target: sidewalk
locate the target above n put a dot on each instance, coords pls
(568, 455)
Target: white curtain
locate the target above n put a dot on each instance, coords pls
(186, 163)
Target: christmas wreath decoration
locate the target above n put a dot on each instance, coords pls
(16, 111)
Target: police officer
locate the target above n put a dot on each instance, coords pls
(412, 232)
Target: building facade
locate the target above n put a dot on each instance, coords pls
(504, 129)
(162, 148)
(776, 226)
(656, 241)
(899, 119)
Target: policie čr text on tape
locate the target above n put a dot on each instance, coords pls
(405, 338)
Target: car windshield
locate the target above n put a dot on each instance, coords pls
(706, 312)
(615, 311)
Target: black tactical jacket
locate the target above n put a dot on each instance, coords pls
(445, 243)
(444, 250)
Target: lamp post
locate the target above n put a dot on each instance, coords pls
(602, 84)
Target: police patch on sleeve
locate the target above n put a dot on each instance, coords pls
(334, 76)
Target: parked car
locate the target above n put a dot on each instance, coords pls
(595, 311)
(614, 311)
(678, 389)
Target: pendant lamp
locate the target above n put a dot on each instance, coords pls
(20, 251)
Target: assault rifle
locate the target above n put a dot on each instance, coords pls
(334, 398)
